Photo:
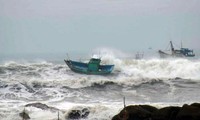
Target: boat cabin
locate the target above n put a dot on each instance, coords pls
(93, 64)
(187, 52)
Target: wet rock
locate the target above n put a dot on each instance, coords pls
(24, 115)
(116, 117)
(196, 105)
(85, 113)
(136, 112)
(166, 113)
(42, 106)
(189, 112)
(78, 114)
(146, 112)
(149, 108)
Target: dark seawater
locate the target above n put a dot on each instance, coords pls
(156, 82)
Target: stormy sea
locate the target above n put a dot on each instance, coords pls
(153, 81)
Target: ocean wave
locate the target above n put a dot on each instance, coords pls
(127, 72)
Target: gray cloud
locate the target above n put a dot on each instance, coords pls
(67, 8)
(28, 26)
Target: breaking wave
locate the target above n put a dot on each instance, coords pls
(55, 84)
(126, 72)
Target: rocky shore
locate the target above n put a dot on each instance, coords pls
(73, 114)
(131, 112)
(147, 112)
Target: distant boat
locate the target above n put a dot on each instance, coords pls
(92, 67)
(183, 52)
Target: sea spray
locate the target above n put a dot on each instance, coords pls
(125, 70)
(153, 81)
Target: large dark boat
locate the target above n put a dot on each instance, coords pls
(183, 52)
(92, 67)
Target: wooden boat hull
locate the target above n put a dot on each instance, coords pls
(80, 67)
(174, 55)
(167, 55)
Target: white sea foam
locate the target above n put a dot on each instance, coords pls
(56, 85)
(126, 71)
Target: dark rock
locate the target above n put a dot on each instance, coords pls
(189, 112)
(116, 117)
(74, 114)
(42, 106)
(149, 108)
(137, 112)
(146, 112)
(85, 112)
(24, 115)
(78, 114)
(196, 105)
(166, 113)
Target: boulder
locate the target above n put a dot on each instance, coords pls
(147, 112)
(196, 105)
(78, 114)
(149, 108)
(166, 113)
(24, 115)
(136, 112)
(189, 112)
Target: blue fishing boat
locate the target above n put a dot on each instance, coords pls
(92, 67)
(183, 52)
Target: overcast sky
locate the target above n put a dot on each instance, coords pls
(57, 26)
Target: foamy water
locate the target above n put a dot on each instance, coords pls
(158, 82)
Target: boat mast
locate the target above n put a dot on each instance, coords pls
(172, 47)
